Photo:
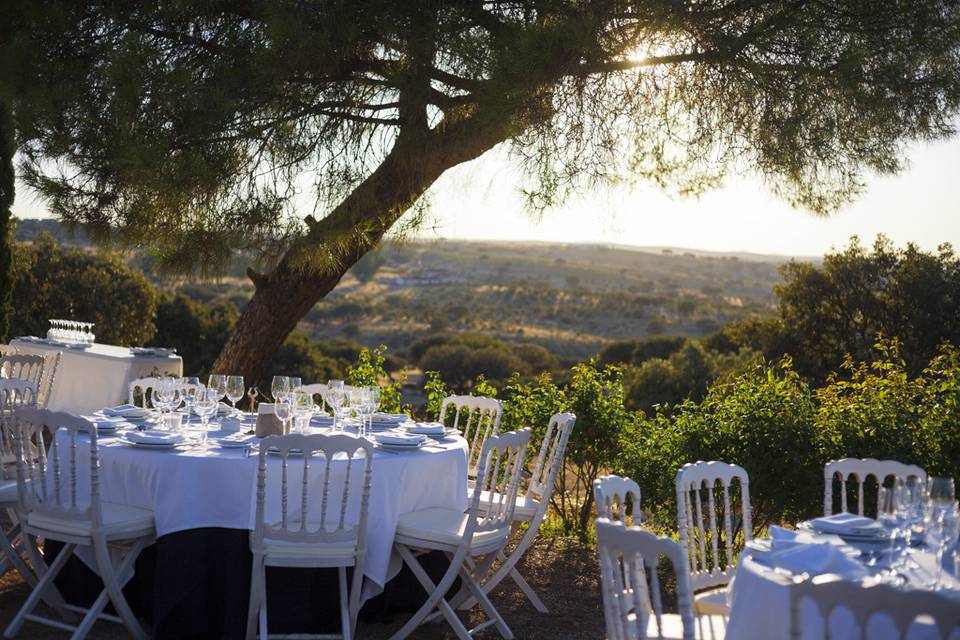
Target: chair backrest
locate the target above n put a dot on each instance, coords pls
(7, 350)
(59, 494)
(697, 530)
(498, 473)
(314, 390)
(612, 493)
(625, 555)
(550, 458)
(298, 520)
(141, 387)
(860, 469)
(50, 369)
(14, 393)
(477, 417)
(900, 606)
(24, 366)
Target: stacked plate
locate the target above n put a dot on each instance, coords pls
(400, 440)
(850, 527)
(237, 441)
(152, 439)
(385, 421)
(126, 411)
(433, 430)
(108, 425)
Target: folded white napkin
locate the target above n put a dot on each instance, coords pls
(848, 524)
(154, 437)
(123, 410)
(781, 538)
(427, 428)
(389, 417)
(816, 559)
(107, 423)
(395, 437)
(237, 439)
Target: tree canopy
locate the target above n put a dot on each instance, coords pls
(191, 127)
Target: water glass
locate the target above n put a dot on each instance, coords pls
(941, 491)
(283, 411)
(217, 383)
(280, 388)
(205, 406)
(235, 389)
(302, 410)
(189, 387)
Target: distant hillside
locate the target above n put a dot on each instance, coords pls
(571, 298)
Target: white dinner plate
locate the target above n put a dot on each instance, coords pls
(227, 443)
(149, 445)
(402, 447)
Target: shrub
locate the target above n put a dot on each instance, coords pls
(369, 371)
(198, 331)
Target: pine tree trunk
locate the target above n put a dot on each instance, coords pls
(283, 296)
(7, 185)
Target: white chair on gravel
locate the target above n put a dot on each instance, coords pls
(481, 532)
(860, 469)
(627, 554)
(878, 603)
(612, 494)
(55, 507)
(141, 388)
(699, 535)
(477, 417)
(24, 366)
(315, 534)
(531, 507)
(14, 393)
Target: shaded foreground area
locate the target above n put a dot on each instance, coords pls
(564, 572)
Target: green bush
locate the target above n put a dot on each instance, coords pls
(198, 331)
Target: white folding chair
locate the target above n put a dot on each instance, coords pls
(902, 607)
(632, 607)
(477, 417)
(48, 379)
(531, 508)
(7, 350)
(24, 366)
(54, 507)
(316, 532)
(481, 532)
(14, 393)
(698, 529)
(860, 469)
(141, 388)
(612, 495)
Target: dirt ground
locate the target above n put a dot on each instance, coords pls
(563, 572)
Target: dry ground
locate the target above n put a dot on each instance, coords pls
(563, 572)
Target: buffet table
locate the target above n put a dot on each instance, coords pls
(98, 376)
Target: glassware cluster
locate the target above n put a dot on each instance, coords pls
(71, 331)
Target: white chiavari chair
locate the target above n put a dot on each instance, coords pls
(481, 532)
(55, 506)
(632, 606)
(878, 604)
(860, 469)
(24, 366)
(699, 533)
(14, 393)
(477, 417)
(141, 388)
(313, 530)
(612, 495)
(7, 350)
(49, 378)
(531, 508)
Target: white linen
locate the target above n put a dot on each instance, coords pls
(98, 376)
(847, 524)
(760, 607)
(192, 488)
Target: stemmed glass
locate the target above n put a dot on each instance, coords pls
(217, 383)
(335, 399)
(280, 388)
(283, 411)
(302, 410)
(205, 406)
(940, 492)
(889, 516)
(234, 390)
(189, 387)
(910, 497)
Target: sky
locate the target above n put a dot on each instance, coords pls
(480, 201)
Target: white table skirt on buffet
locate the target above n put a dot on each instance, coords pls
(98, 376)
(194, 488)
(760, 607)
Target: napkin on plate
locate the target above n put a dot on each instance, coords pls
(389, 417)
(238, 439)
(394, 437)
(126, 411)
(815, 559)
(107, 423)
(427, 428)
(848, 524)
(154, 437)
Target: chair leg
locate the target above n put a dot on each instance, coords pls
(435, 599)
(47, 576)
(10, 554)
(51, 594)
(345, 626)
(108, 573)
(508, 568)
(491, 611)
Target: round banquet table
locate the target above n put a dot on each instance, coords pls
(760, 607)
(194, 581)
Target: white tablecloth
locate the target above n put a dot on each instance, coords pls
(760, 610)
(216, 487)
(99, 376)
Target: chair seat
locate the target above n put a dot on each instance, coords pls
(119, 522)
(445, 527)
(712, 603)
(705, 627)
(285, 552)
(526, 507)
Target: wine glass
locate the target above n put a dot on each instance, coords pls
(235, 389)
(189, 387)
(217, 383)
(205, 406)
(280, 388)
(302, 410)
(283, 411)
(941, 491)
(295, 384)
(157, 400)
(335, 399)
